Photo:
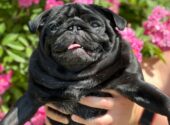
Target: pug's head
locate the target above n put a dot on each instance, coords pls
(76, 35)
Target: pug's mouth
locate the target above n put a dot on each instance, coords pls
(77, 48)
(74, 46)
(76, 57)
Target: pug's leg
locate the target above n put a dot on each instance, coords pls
(22, 111)
(143, 94)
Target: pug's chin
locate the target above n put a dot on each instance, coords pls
(76, 59)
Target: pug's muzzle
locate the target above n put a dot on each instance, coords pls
(81, 52)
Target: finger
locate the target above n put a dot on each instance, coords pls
(103, 120)
(55, 107)
(98, 102)
(78, 119)
(106, 119)
(56, 116)
(112, 92)
(47, 122)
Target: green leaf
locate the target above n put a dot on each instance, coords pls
(103, 3)
(139, 31)
(33, 39)
(25, 27)
(14, 67)
(16, 57)
(6, 97)
(9, 38)
(22, 68)
(97, 2)
(28, 51)
(20, 80)
(16, 46)
(151, 50)
(1, 51)
(66, 1)
(37, 10)
(4, 108)
(133, 2)
(16, 92)
(23, 40)
(123, 1)
(145, 38)
(8, 59)
(2, 28)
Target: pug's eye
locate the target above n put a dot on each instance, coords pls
(95, 24)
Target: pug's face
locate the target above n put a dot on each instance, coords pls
(75, 35)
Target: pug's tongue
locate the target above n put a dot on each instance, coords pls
(73, 46)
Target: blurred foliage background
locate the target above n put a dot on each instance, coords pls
(17, 43)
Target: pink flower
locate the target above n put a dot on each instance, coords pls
(84, 1)
(115, 5)
(136, 44)
(5, 81)
(36, 1)
(53, 3)
(158, 13)
(39, 117)
(158, 27)
(1, 115)
(25, 3)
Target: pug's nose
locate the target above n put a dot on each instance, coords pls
(74, 28)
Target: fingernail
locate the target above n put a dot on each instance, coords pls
(74, 117)
(66, 121)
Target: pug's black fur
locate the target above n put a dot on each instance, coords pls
(103, 61)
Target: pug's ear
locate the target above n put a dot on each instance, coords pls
(115, 20)
(37, 23)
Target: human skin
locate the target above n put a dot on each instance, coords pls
(121, 111)
(116, 106)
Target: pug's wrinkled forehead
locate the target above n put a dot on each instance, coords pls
(85, 12)
(72, 10)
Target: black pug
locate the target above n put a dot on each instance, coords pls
(80, 52)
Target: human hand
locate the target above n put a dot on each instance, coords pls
(55, 114)
(97, 102)
(119, 111)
